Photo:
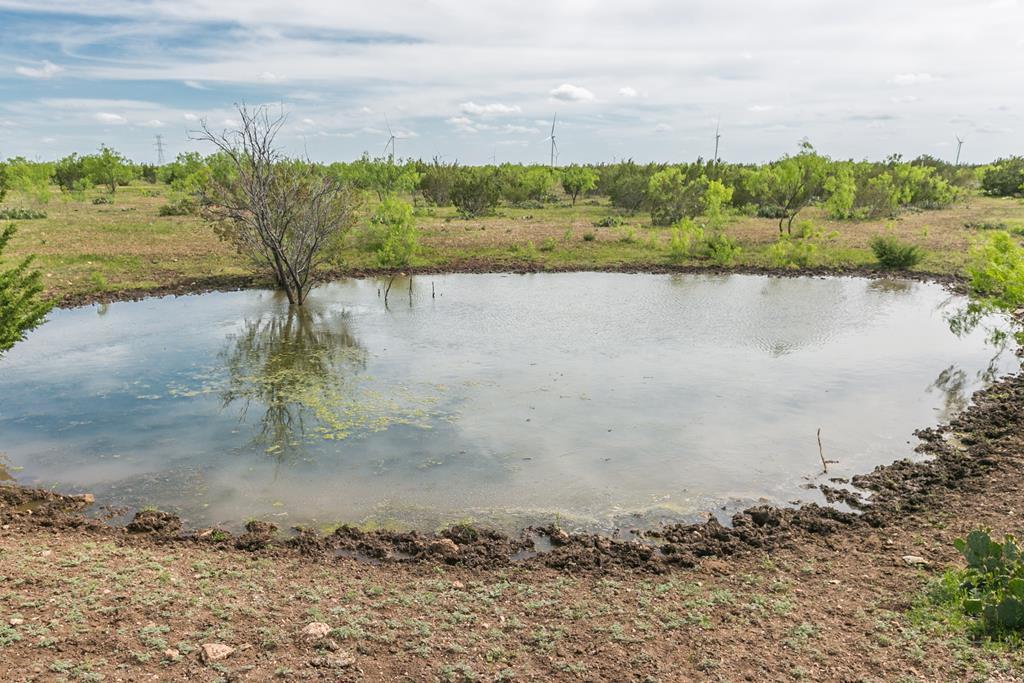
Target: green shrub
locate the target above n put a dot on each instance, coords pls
(893, 253)
(672, 195)
(721, 249)
(589, 237)
(798, 250)
(684, 240)
(16, 214)
(1004, 178)
(185, 206)
(475, 191)
(609, 222)
(102, 200)
(21, 308)
(992, 587)
(996, 272)
(548, 245)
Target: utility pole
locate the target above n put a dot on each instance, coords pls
(159, 150)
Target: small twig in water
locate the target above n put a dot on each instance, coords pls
(821, 453)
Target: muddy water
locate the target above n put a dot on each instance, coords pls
(602, 400)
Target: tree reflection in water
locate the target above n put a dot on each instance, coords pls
(287, 363)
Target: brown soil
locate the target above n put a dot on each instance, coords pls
(781, 594)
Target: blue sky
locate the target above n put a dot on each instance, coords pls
(647, 79)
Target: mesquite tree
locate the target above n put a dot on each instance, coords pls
(283, 213)
(21, 308)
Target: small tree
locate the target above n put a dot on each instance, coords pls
(400, 239)
(30, 178)
(3, 180)
(108, 168)
(577, 180)
(672, 196)
(476, 191)
(842, 193)
(70, 174)
(283, 214)
(21, 308)
(791, 183)
(716, 196)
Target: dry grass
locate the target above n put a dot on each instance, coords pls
(83, 248)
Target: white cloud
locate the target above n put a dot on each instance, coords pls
(628, 92)
(309, 122)
(106, 117)
(760, 107)
(485, 109)
(230, 123)
(269, 77)
(45, 70)
(196, 85)
(190, 117)
(912, 79)
(903, 99)
(572, 93)
(663, 128)
(154, 123)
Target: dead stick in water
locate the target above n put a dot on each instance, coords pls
(821, 453)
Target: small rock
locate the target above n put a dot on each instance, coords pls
(46, 553)
(171, 653)
(16, 621)
(559, 537)
(915, 561)
(316, 630)
(338, 660)
(443, 546)
(211, 652)
(458, 585)
(715, 566)
(87, 498)
(834, 582)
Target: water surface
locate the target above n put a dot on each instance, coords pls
(601, 399)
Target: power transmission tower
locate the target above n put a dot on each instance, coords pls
(159, 150)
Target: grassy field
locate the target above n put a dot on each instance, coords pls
(87, 249)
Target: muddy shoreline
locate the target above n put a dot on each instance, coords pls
(960, 455)
(226, 283)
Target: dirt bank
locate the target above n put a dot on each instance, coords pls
(224, 283)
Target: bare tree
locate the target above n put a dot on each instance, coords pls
(281, 212)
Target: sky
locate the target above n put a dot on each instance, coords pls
(481, 81)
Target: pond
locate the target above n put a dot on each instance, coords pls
(601, 400)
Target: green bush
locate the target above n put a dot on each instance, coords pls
(16, 214)
(798, 250)
(1004, 178)
(21, 308)
(672, 195)
(609, 222)
(475, 191)
(102, 200)
(992, 586)
(996, 272)
(893, 253)
(185, 206)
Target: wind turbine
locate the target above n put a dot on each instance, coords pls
(391, 140)
(718, 136)
(959, 144)
(554, 146)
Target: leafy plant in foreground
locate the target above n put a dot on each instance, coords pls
(17, 214)
(895, 254)
(21, 309)
(993, 584)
